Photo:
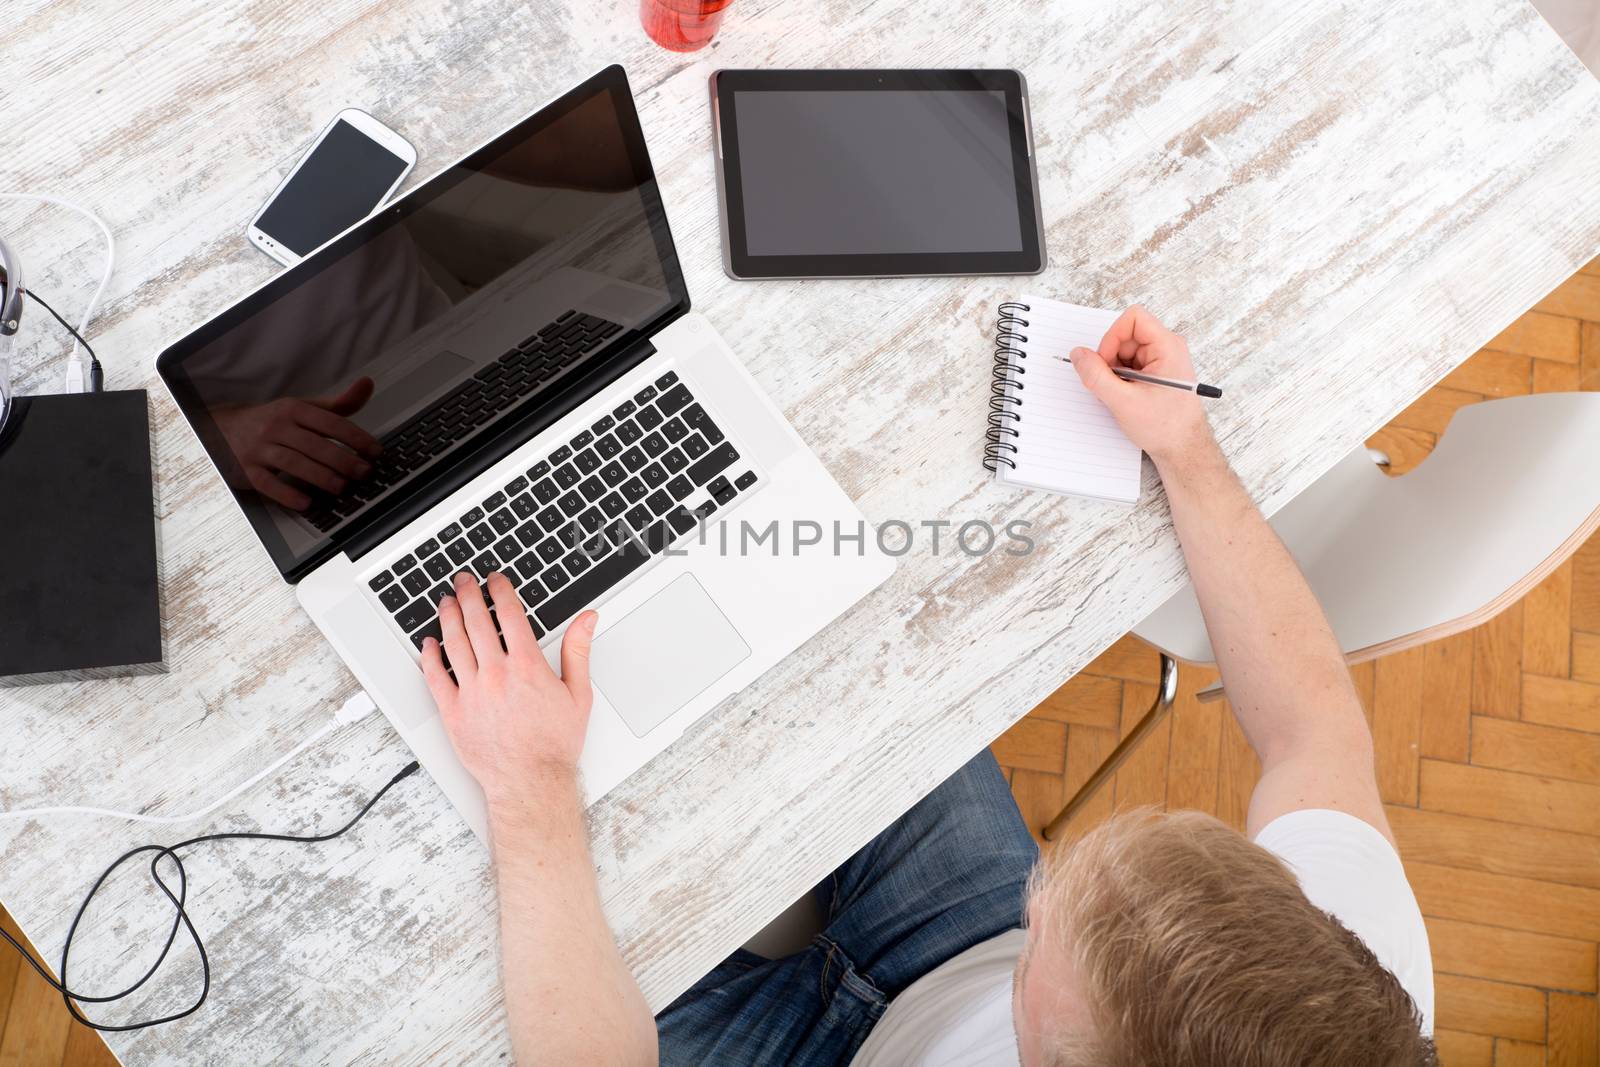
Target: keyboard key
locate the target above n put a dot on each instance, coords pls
(649, 418)
(682, 520)
(551, 550)
(516, 485)
(449, 533)
(524, 506)
(404, 563)
(550, 518)
(675, 461)
(598, 580)
(427, 548)
(485, 565)
(568, 476)
(539, 469)
(653, 445)
(626, 408)
(415, 614)
(695, 447)
(587, 462)
(713, 463)
(436, 566)
(608, 446)
(572, 503)
(583, 440)
(503, 521)
(394, 598)
(680, 487)
(528, 565)
(717, 485)
(507, 548)
(554, 578)
(629, 432)
(639, 517)
(660, 502)
(745, 481)
(674, 430)
(654, 475)
(668, 379)
(673, 399)
(605, 423)
(645, 395)
(634, 490)
(415, 582)
(696, 417)
(430, 630)
(473, 517)
(495, 500)
(560, 456)
(725, 494)
(533, 594)
(380, 580)
(576, 564)
(546, 491)
(528, 533)
(613, 473)
(705, 508)
(459, 552)
(592, 488)
(634, 458)
(613, 505)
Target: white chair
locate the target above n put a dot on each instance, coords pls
(1509, 492)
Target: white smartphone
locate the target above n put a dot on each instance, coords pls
(346, 174)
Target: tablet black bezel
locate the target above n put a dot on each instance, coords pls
(726, 84)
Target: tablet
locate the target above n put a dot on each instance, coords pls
(875, 173)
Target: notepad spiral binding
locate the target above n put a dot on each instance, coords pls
(1003, 414)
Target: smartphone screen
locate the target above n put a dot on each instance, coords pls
(340, 182)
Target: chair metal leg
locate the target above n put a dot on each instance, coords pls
(1166, 693)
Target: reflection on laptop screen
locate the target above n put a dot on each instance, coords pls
(461, 314)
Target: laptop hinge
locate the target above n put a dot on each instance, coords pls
(513, 437)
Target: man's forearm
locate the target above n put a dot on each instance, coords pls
(1283, 669)
(569, 996)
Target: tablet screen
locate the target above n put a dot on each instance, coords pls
(835, 179)
(856, 173)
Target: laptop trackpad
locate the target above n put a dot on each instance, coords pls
(664, 653)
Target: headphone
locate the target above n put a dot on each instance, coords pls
(10, 321)
(80, 378)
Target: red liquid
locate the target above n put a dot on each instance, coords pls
(682, 25)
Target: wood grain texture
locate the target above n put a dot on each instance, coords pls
(1574, 1038)
(1233, 166)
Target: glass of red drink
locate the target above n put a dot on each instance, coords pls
(682, 25)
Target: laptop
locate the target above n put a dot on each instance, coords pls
(510, 349)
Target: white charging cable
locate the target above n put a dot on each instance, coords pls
(77, 376)
(352, 710)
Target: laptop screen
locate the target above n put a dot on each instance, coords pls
(426, 342)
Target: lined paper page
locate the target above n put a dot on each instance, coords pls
(1066, 440)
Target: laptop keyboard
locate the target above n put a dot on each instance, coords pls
(583, 518)
(493, 389)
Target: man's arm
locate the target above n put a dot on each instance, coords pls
(519, 729)
(1284, 672)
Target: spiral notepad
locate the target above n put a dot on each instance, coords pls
(1046, 431)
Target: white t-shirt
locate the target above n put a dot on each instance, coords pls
(960, 1012)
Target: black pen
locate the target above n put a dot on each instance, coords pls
(1127, 375)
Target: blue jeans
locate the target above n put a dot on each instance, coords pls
(949, 874)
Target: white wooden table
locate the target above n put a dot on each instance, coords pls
(1337, 202)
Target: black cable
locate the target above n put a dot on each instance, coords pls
(96, 376)
(180, 916)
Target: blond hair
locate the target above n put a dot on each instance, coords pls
(1196, 947)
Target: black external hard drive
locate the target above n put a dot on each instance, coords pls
(80, 580)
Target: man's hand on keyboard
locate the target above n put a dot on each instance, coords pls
(508, 715)
(311, 441)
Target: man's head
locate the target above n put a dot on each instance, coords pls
(1171, 939)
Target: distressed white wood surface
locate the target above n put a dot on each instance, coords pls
(1337, 202)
